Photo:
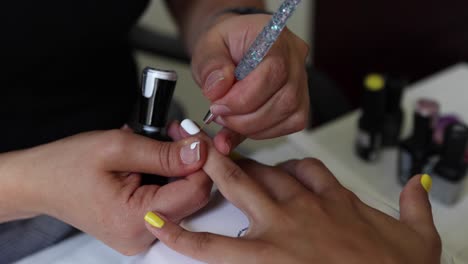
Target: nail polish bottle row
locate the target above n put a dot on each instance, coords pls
(437, 146)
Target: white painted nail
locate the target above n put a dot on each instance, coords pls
(190, 127)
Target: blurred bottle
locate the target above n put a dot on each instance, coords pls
(393, 119)
(415, 151)
(450, 171)
(370, 124)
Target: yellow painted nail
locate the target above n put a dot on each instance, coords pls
(154, 220)
(426, 182)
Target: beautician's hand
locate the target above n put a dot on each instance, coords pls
(87, 181)
(272, 101)
(299, 213)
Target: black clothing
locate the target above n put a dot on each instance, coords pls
(65, 67)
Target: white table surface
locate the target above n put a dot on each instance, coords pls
(333, 144)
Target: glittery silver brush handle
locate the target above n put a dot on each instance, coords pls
(265, 39)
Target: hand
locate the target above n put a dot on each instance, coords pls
(90, 182)
(272, 101)
(299, 213)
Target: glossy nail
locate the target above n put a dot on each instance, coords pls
(190, 127)
(154, 220)
(220, 110)
(190, 153)
(213, 79)
(426, 182)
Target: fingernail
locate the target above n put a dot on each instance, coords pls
(190, 127)
(426, 182)
(220, 121)
(154, 220)
(190, 153)
(220, 110)
(213, 79)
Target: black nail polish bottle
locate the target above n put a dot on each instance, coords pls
(370, 124)
(393, 113)
(415, 151)
(157, 89)
(450, 171)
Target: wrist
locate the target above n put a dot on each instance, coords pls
(17, 199)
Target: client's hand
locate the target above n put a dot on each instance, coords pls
(299, 213)
(90, 181)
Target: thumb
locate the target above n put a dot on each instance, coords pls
(203, 246)
(134, 153)
(213, 66)
(415, 207)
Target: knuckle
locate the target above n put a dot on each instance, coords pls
(133, 250)
(435, 243)
(163, 156)
(278, 72)
(201, 196)
(232, 174)
(288, 103)
(305, 48)
(299, 121)
(111, 143)
(310, 162)
(174, 238)
(202, 242)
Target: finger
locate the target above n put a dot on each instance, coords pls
(194, 192)
(212, 66)
(313, 174)
(291, 124)
(256, 89)
(232, 182)
(279, 184)
(174, 131)
(227, 140)
(415, 207)
(285, 103)
(124, 151)
(205, 247)
(296, 122)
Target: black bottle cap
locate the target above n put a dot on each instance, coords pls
(425, 116)
(157, 89)
(394, 89)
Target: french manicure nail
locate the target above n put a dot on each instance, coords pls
(426, 182)
(220, 110)
(190, 127)
(190, 153)
(213, 79)
(154, 220)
